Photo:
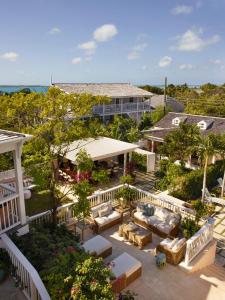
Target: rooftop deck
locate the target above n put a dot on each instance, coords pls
(171, 283)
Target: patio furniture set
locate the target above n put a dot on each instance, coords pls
(125, 268)
(145, 219)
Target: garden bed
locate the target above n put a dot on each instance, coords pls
(66, 270)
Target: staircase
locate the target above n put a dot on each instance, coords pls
(145, 181)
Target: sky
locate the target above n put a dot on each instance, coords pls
(136, 41)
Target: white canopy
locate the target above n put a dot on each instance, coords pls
(99, 148)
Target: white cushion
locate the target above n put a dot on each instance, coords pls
(103, 211)
(164, 227)
(166, 243)
(97, 244)
(159, 212)
(154, 220)
(95, 209)
(107, 219)
(139, 215)
(178, 245)
(125, 264)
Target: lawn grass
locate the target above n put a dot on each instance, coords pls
(40, 201)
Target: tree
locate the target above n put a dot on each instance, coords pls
(124, 129)
(220, 149)
(82, 207)
(205, 150)
(146, 121)
(153, 89)
(45, 116)
(180, 143)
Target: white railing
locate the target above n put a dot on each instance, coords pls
(31, 283)
(198, 241)
(121, 108)
(9, 174)
(64, 213)
(167, 203)
(9, 212)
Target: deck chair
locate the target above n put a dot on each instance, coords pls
(212, 199)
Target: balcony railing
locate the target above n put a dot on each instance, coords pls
(9, 208)
(121, 108)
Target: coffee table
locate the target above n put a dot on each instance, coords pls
(140, 237)
(124, 229)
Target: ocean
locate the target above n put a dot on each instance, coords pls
(17, 88)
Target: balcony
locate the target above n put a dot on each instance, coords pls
(9, 209)
(112, 109)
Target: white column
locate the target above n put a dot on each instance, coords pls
(124, 163)
(213, 159)
(130, 156)
(152, 146)
(19, 182)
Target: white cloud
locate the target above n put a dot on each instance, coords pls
(217, 62)
(144, 67)
(191, 40)
(136, 51)
(54, 30)
(165, 61)
(89, 47)
(10, 56)
(181, 9)
(76, 60)
(105, 32)
(186, 67)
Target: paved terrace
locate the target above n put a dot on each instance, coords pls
(170, 283)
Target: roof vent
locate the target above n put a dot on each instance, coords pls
(176, 121)
(203, 125)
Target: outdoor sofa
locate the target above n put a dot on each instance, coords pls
(173, 249)
(159, 220)
(103, 217)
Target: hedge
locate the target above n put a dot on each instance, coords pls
(189, 186)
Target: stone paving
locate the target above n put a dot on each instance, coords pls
(219, 235)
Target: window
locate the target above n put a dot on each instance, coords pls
(176, 121)
(131, 100)
(117, 100)
(202, 125)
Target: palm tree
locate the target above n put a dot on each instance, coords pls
(221, 151)
(205, 150)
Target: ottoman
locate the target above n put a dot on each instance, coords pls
(98, 246)
(141, 237)
(127, 268)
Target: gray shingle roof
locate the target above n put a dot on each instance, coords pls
(114, 90)
(216, 125)
(158, 100)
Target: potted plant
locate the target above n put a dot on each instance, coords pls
(126, 194)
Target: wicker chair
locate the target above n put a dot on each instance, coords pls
(173, 257)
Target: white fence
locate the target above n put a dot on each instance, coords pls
(32, 285)
(9, 210)
(198, 241)
(121, 108)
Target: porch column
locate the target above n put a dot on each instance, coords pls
(213, 159)
(124, 163)
(78, 175)
(130, 156)
(19, 182)
(153, 145)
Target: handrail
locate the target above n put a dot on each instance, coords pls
(198, 241)
(33, 286)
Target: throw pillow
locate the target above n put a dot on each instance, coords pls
(179, 244)
(141, 207)
(173, 221)
(103, 212)
(166, 243)
(173, 243)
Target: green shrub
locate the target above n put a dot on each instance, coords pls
(189, 228)
(189, 185)
(140, 161)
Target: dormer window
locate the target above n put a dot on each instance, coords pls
(205, 124)
(176, 121)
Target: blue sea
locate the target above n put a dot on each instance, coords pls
(17, 88)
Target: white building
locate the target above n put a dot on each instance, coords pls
(126, 99)
(12, 207)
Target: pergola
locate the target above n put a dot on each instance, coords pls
(100, 148)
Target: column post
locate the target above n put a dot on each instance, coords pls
(19, 182)
(153, 144)
(124, 163)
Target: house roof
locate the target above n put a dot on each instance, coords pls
(10, 136)
(216, 125)
(113, 90)
(99, 148)
(157, 100)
